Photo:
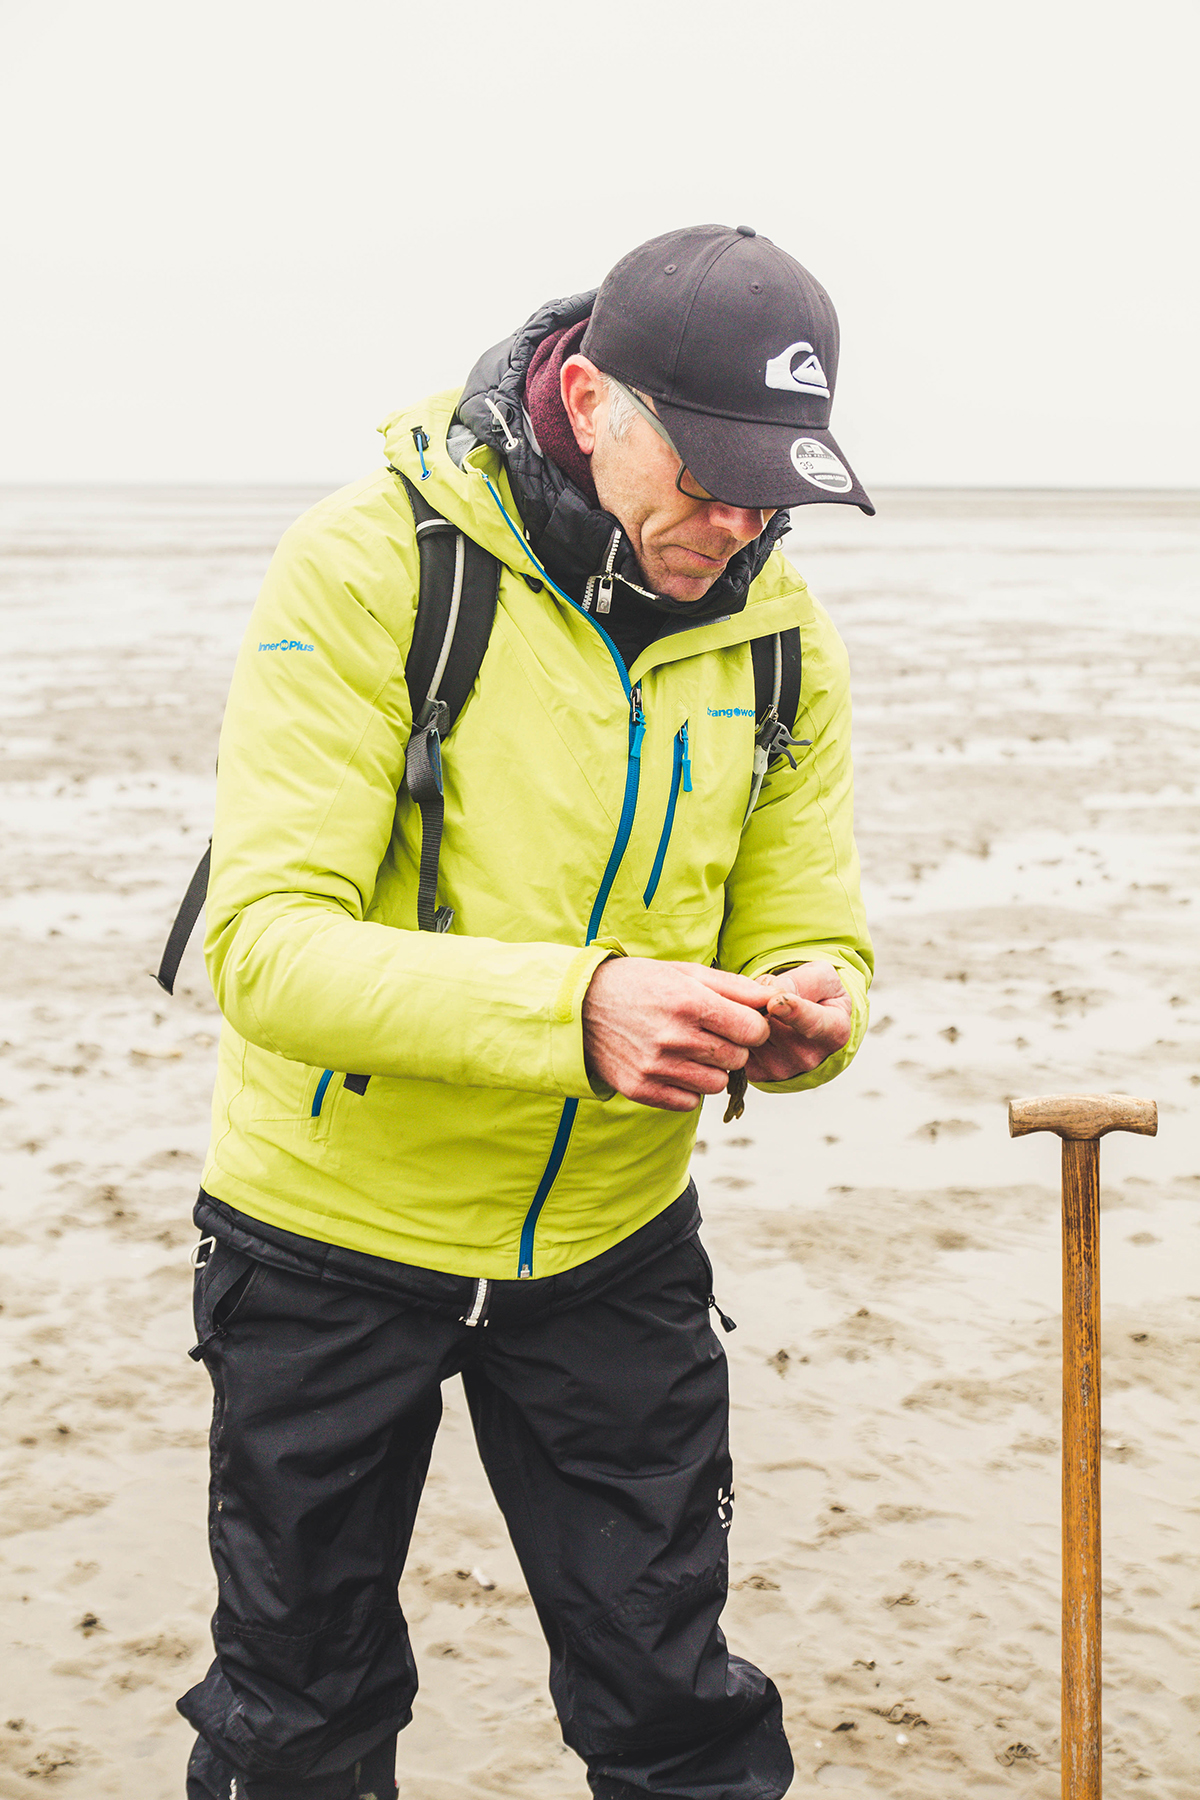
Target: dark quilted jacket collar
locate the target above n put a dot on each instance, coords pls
(569, 536)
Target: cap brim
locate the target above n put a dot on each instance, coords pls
(752, 463)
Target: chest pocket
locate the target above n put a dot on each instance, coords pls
(681, 783)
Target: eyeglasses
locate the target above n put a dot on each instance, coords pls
(652, 419)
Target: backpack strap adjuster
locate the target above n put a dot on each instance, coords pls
(777, 676)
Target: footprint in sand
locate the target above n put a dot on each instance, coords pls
(937, 1128)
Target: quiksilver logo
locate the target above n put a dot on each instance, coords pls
(795, 376)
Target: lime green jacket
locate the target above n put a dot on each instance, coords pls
(590, 810)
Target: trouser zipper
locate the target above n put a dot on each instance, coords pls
(478, 1312)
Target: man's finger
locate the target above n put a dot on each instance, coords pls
(735, 1021)
(666, 1097)
(804, 1016)
(715, 1052)
(732, 987)
(702, 1078)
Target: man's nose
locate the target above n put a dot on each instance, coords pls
(741, 522)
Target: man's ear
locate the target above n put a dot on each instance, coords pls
(583, 391)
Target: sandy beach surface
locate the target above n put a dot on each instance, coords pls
(1027, 679)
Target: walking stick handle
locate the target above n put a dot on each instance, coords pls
(1082, 1116)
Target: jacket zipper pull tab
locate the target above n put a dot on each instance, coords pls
(637, 720)
(687, 760)
(604, 581)
(421, 440)
(727, 1324)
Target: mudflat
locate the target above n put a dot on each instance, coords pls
(1027, 682)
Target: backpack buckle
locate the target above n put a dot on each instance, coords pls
(773, 739)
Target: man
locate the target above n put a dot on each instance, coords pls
(503, 1190)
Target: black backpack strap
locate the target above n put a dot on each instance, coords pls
(190, 908)
(456, 606)
(791, 676)
(778, 673)
(431, 669)
(778, 658)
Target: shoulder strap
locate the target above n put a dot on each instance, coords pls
(778, 673)
(456, 607)
(190, 908)
(785, 699)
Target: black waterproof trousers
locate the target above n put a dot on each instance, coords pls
(599, 1402)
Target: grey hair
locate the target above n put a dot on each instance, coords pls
(621, 411)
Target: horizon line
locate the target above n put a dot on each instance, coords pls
(898, 487)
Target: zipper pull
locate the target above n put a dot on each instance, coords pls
(604, 590)
(478, 1312)
(687, 761)
(637, 720)
(727, 1324)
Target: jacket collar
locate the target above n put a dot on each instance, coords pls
(572, 537)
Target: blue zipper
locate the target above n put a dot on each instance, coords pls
(633, 771)
(558, 1150)
(681, 775)
(550, 582)
(319, 1096)
(566, 1123)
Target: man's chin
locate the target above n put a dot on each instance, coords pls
(676, 586)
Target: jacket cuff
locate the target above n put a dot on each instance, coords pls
(566, 1045)
(855, 984)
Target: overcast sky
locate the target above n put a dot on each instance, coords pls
(238, 234)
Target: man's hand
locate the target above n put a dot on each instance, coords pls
(810, 1015)
(667, 1033)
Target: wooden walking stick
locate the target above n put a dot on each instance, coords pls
(1081, 1120)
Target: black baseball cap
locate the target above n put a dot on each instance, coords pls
(737, 345)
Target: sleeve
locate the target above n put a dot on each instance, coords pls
(311, 758)
(794, 894)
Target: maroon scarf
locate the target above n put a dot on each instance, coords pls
(543, 402)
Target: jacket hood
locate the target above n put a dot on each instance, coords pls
(570, 536)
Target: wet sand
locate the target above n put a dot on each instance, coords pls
(1027, 678)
